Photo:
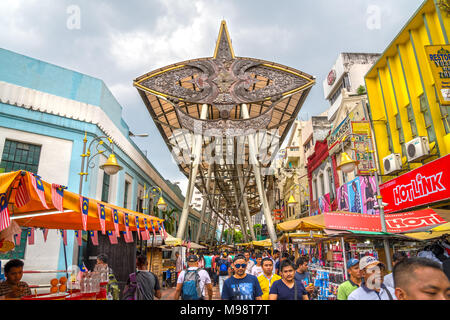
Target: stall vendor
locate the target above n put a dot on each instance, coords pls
(12, 287)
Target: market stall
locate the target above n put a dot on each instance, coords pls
(32, 203)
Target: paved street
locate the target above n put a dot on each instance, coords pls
(167, 294)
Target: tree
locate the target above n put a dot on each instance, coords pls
(361, 90)
(169, 220)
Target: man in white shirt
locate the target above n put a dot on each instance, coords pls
(373, 288)
(249, 262)
(257, 268)
(203, 278)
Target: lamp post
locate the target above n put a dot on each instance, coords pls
(291, 202)
(111, 167)
(348, 165)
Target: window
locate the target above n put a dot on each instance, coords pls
(20, 156)
(337, 93)
(411, 120)
(125, 196)
(398, 123)
(105, 187)
(331, 182)
(427, 118)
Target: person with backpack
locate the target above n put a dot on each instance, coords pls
(142, 284)
(193, 282)
(223, 270)
(112, 288)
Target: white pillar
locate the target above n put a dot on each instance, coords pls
(196, 152)
(259, 184)
(205, 203)
(240, 173)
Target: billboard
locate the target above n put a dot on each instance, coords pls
(425, 185)
(342, 198)
(325, 203)
(439, 61)
(354, 196)
(358, 196)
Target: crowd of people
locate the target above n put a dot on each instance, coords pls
(250, 275)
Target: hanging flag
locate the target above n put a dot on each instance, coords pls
(127, 223)
(18, 237)
(94, 237)
(128, 236)
(39, 188)
(84, 203)
(79, 235)
(83, 268)
(45, 232)
(102, 216)
(164, 231)
(64, 236)
(58, 196)
(153, 228)
(145, 233)
(112, 237)
(116, 222)
(137, 228)
(5, 222)
(31, 236)
(22, 194)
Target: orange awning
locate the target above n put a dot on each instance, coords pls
(34, 214)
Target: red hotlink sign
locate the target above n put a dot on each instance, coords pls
(425, 185)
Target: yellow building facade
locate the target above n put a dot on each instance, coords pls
(403, 98)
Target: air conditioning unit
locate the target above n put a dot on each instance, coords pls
(417, 149)
(392, 163)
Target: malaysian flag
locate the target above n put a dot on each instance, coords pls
(58, 196)
(116, 221)
(5, 222)
(127, 223)
(22, 194)
(137, 228)
(102, 216)
(30, 236)
(18, 237)
(84, 203)
(94, 237)
(64, 236)
(145, 234)
(112, 237)
(83, 268)
(128, 236)
(153, 228)
(78, 234)
(39, 187)
(45, 232)
(164, 231)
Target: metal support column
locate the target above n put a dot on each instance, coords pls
(205, 203)
(244, 201)
(196, 153)
(257, 172)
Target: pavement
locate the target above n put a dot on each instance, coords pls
(167, 293)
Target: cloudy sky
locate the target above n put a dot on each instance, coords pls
(118, 40)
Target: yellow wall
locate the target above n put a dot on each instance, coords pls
(400, 77)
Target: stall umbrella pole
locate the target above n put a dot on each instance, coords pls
(344, 257)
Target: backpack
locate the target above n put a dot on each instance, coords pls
(223, 266)
(133, 290)
(113, 287)
(191, 286)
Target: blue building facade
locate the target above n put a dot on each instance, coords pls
(52, 109)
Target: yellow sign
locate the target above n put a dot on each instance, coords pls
(439, 59)
(360, 127)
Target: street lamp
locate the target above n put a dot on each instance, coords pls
(111, 167)
(155, 191)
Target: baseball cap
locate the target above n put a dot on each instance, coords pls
(192, 258)
(352, 262)
(368, 260)
(224, 254)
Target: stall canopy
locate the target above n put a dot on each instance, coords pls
(313, 223)
(260, 243)
(27, 209)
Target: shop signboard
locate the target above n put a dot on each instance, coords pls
(427, 184)
(421, 220)
(369, 195)
(438, 57)
(343, 129)
(342, 198)
(361, 145)
(354, 196)
(358, 196)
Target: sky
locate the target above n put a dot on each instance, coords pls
(118, 41)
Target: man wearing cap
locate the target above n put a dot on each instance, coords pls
(372, 271)
(204, 279)
(353, 283)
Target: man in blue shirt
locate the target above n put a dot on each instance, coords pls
(287, 288)
(241, 286)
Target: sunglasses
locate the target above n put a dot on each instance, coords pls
(238, 266)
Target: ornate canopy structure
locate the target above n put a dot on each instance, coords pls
(223, 119)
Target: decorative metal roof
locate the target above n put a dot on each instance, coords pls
(274, 94)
